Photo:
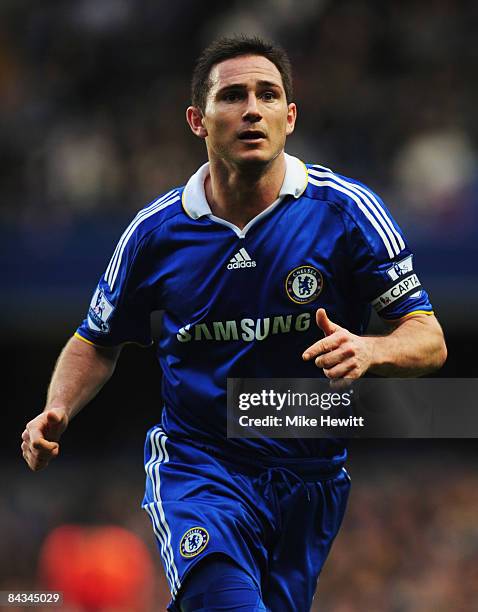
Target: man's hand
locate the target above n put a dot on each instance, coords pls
(41, 436)
(340, 354)
(80, 372)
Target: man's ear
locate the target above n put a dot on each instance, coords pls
(195, 119)
(291, 118)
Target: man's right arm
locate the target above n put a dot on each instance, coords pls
(81, 371)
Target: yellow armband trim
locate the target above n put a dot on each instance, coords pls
(77, 335)
(102, 346)
(425, 312)
(410, 314)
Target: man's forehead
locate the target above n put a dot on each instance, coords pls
(243, 69)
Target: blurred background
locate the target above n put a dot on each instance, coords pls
(92, 99)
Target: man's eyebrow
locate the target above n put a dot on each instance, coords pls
(235, 86)
(269, 84)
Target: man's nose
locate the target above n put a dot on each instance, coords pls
(252, 112)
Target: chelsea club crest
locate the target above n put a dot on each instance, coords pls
(193, 542)
(304, 284)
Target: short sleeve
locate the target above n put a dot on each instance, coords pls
(121, 306)
(382, 261)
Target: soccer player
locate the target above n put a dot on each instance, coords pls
(251, 261)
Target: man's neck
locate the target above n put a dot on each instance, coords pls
(240, 194)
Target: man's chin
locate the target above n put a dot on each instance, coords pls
(254, 158)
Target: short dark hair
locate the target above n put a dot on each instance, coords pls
(228, 47)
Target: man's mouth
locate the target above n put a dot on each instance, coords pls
(251, 135)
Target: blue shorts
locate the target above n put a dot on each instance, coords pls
(277, 521)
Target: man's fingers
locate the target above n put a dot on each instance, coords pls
(44, 445)
(320, 347)
(56, 425)
(54, 418)
(340, 371)
(37, 463)
(331, 359)
(325, 324)
(40, 438)
(37, 459)
(46, 428)
(25, 449)
(342, 354)
(313, 351)
(36, 435)
(326, 344)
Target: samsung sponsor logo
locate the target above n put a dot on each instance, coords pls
(246, 330)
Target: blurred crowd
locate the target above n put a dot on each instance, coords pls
(87, 537)
(92, 99)
(408, 544)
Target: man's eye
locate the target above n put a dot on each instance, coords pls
(268, 96)
(231, 97)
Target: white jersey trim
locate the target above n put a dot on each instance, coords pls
(359, 200)
(115, 262)
(391, 238)
(194, 197)
(371, 201)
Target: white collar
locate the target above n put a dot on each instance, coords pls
(194, 197)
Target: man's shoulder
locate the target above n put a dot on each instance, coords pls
(346, 193)
(357, 204)
(157, 212)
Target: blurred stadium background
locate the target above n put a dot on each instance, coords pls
(92, 127)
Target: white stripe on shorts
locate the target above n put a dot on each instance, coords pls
(159, 455)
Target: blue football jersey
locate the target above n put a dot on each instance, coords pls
(241, 303)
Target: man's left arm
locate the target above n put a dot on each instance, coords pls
(414, 347)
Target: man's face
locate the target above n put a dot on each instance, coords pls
(247, 117)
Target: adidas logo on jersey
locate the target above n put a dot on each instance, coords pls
(241, 259)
